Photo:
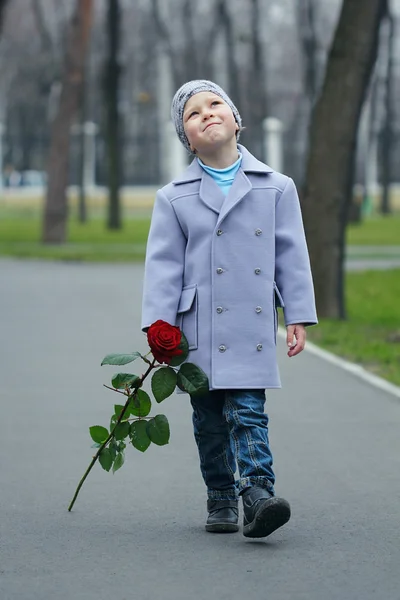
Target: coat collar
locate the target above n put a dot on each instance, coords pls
(250, 164)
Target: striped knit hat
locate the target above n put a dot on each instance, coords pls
(187, 91)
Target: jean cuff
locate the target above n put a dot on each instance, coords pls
(229, 494)
(263, 482)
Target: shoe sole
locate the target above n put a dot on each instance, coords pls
(222, 528)
(271, 515)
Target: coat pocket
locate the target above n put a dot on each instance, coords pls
(277, 302)
(188, 315)
(278, 298)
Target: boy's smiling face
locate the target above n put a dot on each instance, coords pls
(208, 122)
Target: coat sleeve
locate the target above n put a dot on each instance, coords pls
(292, 264)
(164, 265)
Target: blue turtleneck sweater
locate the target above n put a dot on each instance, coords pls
(223, 177)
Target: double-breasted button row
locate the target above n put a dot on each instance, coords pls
(220, 270)
(220, 309)
(257, 232)
(222, 347)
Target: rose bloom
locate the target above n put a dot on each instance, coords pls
(164, 340)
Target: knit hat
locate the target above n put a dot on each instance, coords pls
(188, 90)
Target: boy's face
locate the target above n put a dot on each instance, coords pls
(208, 122)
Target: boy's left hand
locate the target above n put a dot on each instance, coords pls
(295, 338)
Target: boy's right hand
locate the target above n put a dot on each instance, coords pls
(295, 339)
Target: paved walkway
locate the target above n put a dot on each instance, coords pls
(361, 258)
(139, 534)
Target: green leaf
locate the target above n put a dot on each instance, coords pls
(121, 380)
(113, 449)
(98, 434)
(95, 445)
(163, 383)
(118, 462)
(193, 380)
(138, 434)
(106, 459)
(184, 346)
(118, 408)
(140, 404)
(120, 359)
(158, 430)
(122, 430)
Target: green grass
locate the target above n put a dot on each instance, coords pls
(375, 231)
(371, 334)
(20, 237)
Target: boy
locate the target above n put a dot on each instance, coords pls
(226, 247)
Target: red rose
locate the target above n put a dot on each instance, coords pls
(164, 340)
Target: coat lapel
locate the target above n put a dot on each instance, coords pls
(211, 194)
(241, 186)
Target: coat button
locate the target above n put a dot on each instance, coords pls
(258, 309)
(219, 270)
(257, 271)
(259, 347)
(222, 348)
(219, 309)
(258, 231)
(219, 232)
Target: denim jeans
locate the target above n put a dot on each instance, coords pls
(231, 428)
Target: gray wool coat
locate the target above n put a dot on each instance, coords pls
(220, 266)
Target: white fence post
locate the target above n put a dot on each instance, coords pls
(273, 146)
(176, 153)
(89, 155)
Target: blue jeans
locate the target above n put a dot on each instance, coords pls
(230, 427)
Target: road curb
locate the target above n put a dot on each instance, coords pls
(353, 368)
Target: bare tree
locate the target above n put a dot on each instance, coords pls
(112, 79)
(389, 116)
(56, 209)
(233, 76)
(306, 18)
(327, 194)
(3, 4)
(257, 110)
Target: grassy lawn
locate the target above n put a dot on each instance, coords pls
(375, 231)
(20, 230)
(371, 335)
(20, 235)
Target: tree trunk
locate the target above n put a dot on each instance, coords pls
(387, 133)
(3, 4)
(233, 75)
(56, 209)
(113, 72)
(330, 167)
(258, 107)
(82, 204)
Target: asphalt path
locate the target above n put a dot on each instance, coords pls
(139, 534)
